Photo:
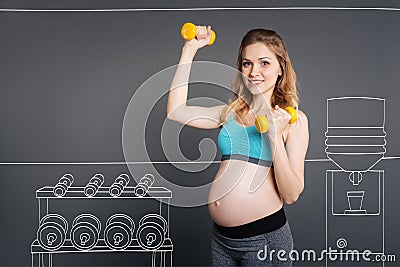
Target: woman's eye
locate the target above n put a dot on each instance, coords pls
(246, 64)
(264, 63)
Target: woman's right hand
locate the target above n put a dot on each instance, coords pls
(202, 38)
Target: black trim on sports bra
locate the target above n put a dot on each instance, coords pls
(262, 162)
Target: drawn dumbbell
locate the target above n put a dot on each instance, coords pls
(52, 231)
(119, 231)
(62, 186)
(85, 231)
(144, 184)
(151, 231)
(93, 186)
(119, 184)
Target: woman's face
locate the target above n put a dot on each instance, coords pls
(261, 68)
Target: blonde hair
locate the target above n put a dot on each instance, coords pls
(285, 91)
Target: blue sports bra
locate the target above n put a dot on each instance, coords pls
(244, 143)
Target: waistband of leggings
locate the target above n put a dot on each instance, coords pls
(264, 225)
(262, 162)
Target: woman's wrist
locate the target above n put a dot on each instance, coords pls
(189, 50)
(187, 55)
(275, 140)
(272, 136)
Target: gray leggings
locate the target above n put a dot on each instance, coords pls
(259, 250)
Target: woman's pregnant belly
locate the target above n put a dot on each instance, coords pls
(232, 198)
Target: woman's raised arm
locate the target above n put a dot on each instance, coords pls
(177, 110)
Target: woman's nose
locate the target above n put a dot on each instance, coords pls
(254, 71)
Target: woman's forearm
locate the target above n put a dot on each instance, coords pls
(289, 184)
(178, 91)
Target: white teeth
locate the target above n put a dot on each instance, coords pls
(257, 82)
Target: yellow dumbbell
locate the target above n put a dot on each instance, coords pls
(189, 31)
(262, 124)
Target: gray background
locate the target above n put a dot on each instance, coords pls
(67, 78)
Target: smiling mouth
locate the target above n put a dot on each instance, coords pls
(257, 82)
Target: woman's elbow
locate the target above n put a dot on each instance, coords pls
(171, 115)
(292, 198)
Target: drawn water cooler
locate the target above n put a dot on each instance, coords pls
(355, 142)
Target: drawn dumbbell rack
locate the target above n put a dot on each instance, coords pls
(161, 252)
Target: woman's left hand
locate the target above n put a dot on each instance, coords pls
(278, 122)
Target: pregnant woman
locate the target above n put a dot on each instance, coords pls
(259, 172)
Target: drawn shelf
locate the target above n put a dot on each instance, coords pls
(162, 255)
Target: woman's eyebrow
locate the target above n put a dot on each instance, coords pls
(258, 59)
